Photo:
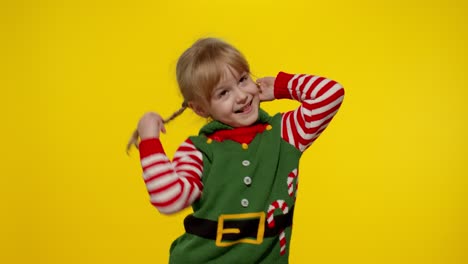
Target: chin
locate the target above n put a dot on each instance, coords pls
(251, 119)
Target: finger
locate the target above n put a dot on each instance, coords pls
(259, 87)
(163, 128)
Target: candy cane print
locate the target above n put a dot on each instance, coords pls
(291, 176)
(278, 204)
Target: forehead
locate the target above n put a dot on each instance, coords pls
(228, 76)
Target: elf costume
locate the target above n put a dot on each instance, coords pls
(241, 182)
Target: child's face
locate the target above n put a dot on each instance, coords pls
(235, 100)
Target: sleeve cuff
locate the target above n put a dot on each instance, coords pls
(281, 85)
(150, 146)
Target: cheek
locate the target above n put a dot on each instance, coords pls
(221, 107)
(253, 89)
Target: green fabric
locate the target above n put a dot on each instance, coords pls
(271, 160)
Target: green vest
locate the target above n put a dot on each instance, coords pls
(241, 182)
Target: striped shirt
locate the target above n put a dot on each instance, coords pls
(175, 185)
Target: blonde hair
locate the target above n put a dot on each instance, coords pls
(199, 69)
(202, 66)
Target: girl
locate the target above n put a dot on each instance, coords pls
(240, 173)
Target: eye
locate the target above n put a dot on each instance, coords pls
(243, 78)
(222, 93)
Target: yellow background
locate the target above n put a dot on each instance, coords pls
(386, 183)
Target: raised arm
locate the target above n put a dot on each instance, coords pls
(172, 186)
(320, 100)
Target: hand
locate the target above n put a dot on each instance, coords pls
(266, 86)
(150, 125)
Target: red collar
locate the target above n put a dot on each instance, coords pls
(239, 134)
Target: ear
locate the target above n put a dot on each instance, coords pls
(198, 109)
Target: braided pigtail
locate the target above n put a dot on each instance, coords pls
(176, 113)
(134, 138)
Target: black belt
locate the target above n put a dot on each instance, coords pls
(247, 227)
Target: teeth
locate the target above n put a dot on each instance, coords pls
(242, 109)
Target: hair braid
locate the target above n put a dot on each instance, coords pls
(134, 138)
(176, 113)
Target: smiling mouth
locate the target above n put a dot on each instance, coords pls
(246, 109)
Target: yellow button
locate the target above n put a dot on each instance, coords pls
(209, 141)
(269, 127)
(245, 146)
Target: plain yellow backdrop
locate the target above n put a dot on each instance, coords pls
(385, 183)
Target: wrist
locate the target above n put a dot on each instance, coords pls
(149, 136)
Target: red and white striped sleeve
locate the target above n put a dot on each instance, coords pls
(320, 100)
(172, 186)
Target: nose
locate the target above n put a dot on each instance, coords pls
(241, 96)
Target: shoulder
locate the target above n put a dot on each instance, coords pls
(202, 143)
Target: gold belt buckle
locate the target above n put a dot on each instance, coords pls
(221, 230)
